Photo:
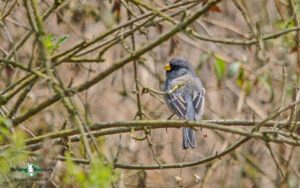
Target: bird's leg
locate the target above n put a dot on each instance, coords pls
(170, 116)
(169, 119)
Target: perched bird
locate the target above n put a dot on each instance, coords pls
(185, 95)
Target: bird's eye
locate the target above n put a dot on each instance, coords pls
(175, 67)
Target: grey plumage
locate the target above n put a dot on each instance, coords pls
(187, 102)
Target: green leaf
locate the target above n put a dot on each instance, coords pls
(248, 87)
(220, 68)
(283, 24)
(141, 62)
(13, 155)
(48, 40)
(5, 122)
(233, 69)
(58, 41)
(97, 175)
(287, 40)
(62, 39)
(241, 78)
(52, 42)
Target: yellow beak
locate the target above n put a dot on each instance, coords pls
(167, 67)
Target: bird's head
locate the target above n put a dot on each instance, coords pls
(178, 67)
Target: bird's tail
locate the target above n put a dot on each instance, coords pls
(189, 138)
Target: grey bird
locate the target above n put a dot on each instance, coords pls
(185, 96)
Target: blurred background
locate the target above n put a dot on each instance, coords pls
(243, 51)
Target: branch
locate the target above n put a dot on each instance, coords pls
(187, 164)
(168, 166)
(228, 126)
(117, 65)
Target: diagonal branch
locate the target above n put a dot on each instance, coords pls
(117, 65)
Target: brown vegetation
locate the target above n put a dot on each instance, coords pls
(81, 81)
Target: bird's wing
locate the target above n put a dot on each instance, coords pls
(177, 103)
(199, 100)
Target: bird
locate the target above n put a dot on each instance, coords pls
(184, 95)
